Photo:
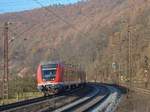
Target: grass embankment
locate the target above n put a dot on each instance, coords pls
(20, 97)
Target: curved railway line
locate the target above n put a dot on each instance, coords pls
(91, 97)
(101, 99)
(23, 103)
(42, 102)
(87, 101)
(145, 91)
(137, 89)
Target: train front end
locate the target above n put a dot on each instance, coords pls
(49, 78)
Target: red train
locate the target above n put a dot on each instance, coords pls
(53, 77)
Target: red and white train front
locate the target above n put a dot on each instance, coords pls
(49, 78)
(54, 77)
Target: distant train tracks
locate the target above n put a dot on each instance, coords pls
(92, 97)
(138, 89)
(145, 91)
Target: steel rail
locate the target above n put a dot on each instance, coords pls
(110, 103)
(90, 105)
(87, 89)
(26, 103)
(91, 100)
(22, 103)
(87, 102)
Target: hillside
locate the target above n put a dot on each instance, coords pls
(81, 33)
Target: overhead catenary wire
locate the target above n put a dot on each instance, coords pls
(55, 14)
(59, 17)
(50, 11)
(16, 34)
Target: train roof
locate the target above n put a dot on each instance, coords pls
(60, 62)
(50, 62)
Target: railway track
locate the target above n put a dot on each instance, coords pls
(103, 96)
(92, 97)
(23, 103)
(86, 102)
(42, 102)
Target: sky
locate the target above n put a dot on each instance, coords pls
(21, 5)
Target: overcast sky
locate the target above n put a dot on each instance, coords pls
(20, 5)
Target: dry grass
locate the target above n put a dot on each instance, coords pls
(24, 96)
(136, 102)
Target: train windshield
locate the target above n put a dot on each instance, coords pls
(49, 73)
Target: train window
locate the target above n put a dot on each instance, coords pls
(49, 74)
(50, 66)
